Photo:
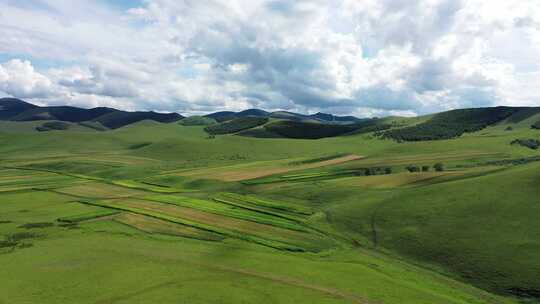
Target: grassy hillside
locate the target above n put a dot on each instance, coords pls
(169, 211)
(119, 119)
(295, 129)
(167, 247)
(53, 125)
(480, 228)
(315, 130)
(236, 125)
(197, 121)
(452, 124)
(63, 113)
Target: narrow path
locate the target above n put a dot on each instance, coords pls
(297, 283)
(336, 293)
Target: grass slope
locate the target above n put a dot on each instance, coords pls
(236, 125)
(398, 238)
(460, 225)
(452, 124)
(197, 121)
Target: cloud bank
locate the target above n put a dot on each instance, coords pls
(367, 57)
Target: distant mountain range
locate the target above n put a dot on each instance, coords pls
(18, 110)
(281, 124)
(319, 117)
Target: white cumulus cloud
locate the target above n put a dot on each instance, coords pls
(361, 57)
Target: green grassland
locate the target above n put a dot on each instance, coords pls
(154, 212)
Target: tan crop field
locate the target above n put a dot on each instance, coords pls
(153, 225)
(262, 169)
(99, 190)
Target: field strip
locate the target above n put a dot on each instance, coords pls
(149, 187)
(207, 222)
(152, 225)
(258, 209)
(232, 211)
(110, 158)
(258, 169)
(426, 157)
(128, 184)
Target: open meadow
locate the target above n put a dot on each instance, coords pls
(164, 213)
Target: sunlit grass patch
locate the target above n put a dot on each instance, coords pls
(99, 190)
(149, 186)
(251, 201)
(260, 169)
(88, 216)
(154, 225)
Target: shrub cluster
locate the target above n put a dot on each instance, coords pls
(517, 161)
(451, 124)
(412, 168)
(529, 143)
(536, 125)
(374, 171)
(425, 168)
(36, 225)
(438, 167)
(53, 125)
(18, 239)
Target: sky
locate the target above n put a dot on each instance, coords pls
(353, 57)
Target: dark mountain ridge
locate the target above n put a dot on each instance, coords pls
(17, 110)
(260, 123)
(10, 107)
(318, 117)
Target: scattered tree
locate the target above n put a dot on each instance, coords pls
(425, 168)
(412, 168)
(388, 170)
(439, 167)
(369, 171)
(53, 125)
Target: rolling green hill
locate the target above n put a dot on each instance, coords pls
(197, 121)
(53, 125)
(296, 129)
(483, 229)
(452, 124)
(236, 125)
(157, 212)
